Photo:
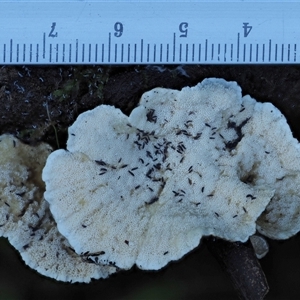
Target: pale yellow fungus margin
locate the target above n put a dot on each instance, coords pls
(25, 218)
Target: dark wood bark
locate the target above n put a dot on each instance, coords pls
(241, 264)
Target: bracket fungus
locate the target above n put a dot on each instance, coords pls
(25, 218)
(201, 161)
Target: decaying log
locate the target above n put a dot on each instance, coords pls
(241, 264)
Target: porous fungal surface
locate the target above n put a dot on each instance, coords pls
(201, 161)
(278, 167)
(25, 218)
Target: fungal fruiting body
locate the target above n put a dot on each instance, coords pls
(144, 189)
(25, 218)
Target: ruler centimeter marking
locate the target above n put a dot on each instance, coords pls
(150, 32)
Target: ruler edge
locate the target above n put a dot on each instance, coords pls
(214, 2)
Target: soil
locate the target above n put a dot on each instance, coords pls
(40, 103)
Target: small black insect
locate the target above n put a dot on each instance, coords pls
(168, 168)
(153, 200)
(20, 194)
(188, 123)
(157, 166)
(197, 136)
(175, 193)
(150, 116)
(148, 154)
(149, 172)
(97, 253)
(130, 173)
(157, 152)
(100, 162)
(165, 253)
(180, 148)
(156, 179)
(26, 246)
(89, 260)
(140, 146)
(217, 214)
(126, 242)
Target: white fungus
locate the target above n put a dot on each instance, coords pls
(144, 189)
(25, 218)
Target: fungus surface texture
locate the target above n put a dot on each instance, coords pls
(25, 218)
(144, 189)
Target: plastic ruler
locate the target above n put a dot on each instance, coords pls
(149, 32)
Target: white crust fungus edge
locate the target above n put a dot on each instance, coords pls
(25, 218)
(144, 189)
